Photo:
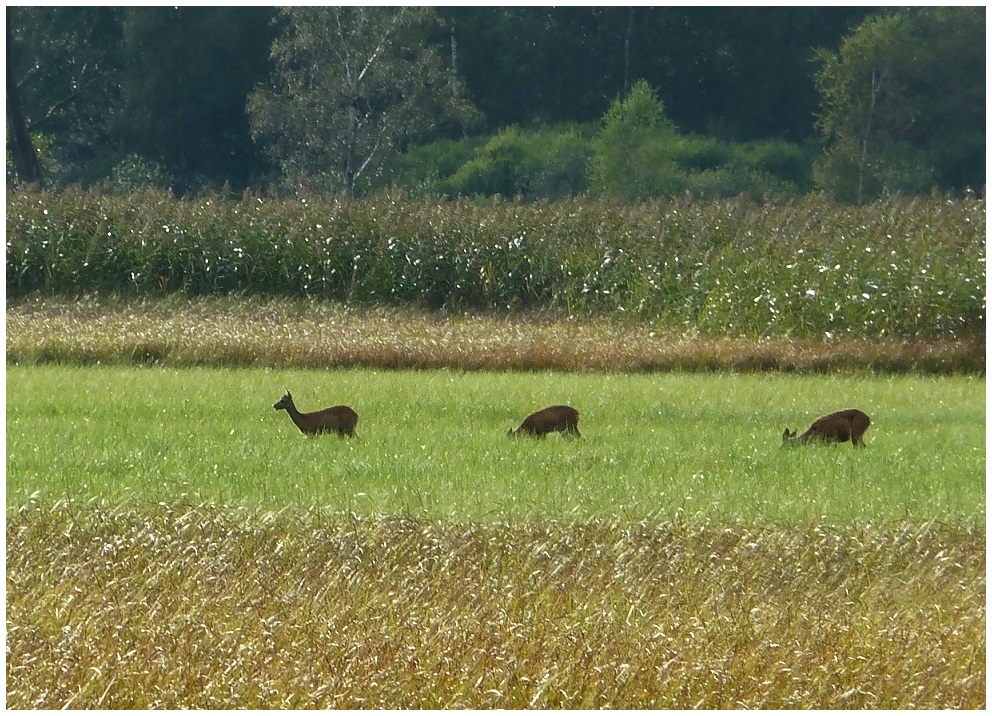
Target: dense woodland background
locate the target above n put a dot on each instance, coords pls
(541, 103)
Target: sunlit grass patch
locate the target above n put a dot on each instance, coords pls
(434, 444)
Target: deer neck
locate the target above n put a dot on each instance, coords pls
(296, 416)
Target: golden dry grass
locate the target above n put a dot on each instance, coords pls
(188, 606)
(292, 333)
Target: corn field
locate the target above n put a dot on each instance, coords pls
(898, 268)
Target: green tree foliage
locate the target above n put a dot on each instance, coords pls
(140, 94)
(634, 154)
(185, 78)
(351, 86)
(903, 105)
(62, 89)
(739, 73)
(548, 163)
(101, 87)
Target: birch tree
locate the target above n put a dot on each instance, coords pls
(351, 87)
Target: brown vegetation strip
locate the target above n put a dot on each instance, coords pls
(198, 607)
(287, 333)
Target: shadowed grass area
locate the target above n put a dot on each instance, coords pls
(184, 606)
(297, 333)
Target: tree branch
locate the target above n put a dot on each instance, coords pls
(382, 43)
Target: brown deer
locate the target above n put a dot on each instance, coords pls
(340, 419)
(556, 418)
(837, 427)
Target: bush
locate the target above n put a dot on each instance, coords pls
(562, 165)
(636, 156)
(784, 161)
(728, 182)
(700, 154)
(423, 168)
(503, 166)
(134, 173)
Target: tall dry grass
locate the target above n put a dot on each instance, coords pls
(246, 331)
(187, 606)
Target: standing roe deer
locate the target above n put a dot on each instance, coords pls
(837, 427)
(556, 418)
(340, 419)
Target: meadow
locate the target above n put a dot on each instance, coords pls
(174, 542)
(433, 444)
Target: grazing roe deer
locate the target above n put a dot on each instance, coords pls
(837, 427)
(556, 418)
(340, 419)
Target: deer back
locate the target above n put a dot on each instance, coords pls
(840, 427)
(339, 418)
(560, 418)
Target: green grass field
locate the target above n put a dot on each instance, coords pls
(433, 444)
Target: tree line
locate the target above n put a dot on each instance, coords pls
(634, 102)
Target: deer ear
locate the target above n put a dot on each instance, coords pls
(786, 434)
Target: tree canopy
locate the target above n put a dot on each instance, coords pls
(526, 98)
(904, 104)
(351, 86)
(633, 154)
